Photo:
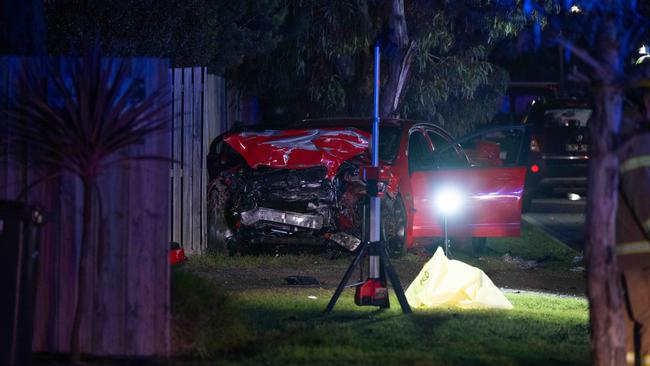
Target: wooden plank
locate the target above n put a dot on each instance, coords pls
(112, 280)
(232, 104)
(45, 286)
(214, 106)
(158, 211)
(205, 145)
(223, 100)
(197, 160)
(161, 296)
(169, 82)
(177, 178)
(148, 237)
(138, 258)
(113, 268)
(188, 118)
(69, 220)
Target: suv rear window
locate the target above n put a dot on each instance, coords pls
(567, 117)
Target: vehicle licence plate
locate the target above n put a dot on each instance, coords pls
(577, 148)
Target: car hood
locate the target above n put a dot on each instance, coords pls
(300, 148)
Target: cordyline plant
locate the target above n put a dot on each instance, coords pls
(94, 118)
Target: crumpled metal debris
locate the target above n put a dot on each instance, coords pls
(301, 281)
(347, 241)
(520, 262)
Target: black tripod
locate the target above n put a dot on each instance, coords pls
(372, 249)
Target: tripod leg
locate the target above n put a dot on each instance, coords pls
(346, 277)
(394, 280)
(382, 278)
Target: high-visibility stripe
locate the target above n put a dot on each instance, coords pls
(637, 247)
(630, 356)
(636, 162)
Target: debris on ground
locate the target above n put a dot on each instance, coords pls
(301, 281)
(578, 259)
(520, 262)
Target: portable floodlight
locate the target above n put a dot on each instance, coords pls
(373, 291)
(447, 201)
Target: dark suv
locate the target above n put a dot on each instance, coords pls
(558, 156)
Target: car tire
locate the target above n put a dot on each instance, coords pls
(394, 226)
(219, 233)
(478, 246)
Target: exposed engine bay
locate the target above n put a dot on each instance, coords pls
(268, 203)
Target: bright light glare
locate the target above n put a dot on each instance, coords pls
(575, 9)
(643, 50)
(448, 200)
(574, 196)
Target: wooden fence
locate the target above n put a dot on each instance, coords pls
(204, 106)
(144, 205)
(128, 314)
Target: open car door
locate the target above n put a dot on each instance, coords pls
(481, 175)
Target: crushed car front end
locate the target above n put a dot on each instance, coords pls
(298, 187)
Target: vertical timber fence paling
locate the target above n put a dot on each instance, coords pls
(203, 108)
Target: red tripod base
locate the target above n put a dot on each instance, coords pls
(372, 293)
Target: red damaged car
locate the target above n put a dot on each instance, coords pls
(301, 184)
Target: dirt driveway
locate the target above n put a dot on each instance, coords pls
(271, 271)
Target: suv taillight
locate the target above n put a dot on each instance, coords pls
(534, 145)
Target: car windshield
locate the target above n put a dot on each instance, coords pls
(388, 141)
(568, 117)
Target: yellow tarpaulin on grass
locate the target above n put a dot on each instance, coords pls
(451, 283)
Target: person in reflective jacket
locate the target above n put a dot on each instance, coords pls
(633, 222)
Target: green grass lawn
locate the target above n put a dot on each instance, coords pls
(275, 324)
(287, 327)
(533, 244)
(291, 329)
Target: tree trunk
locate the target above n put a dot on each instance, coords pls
(84, 266)
(604, 281)
(399, 59)
(605, 296)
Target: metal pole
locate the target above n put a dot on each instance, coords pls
(375, 206)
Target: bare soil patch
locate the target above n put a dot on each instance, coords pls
(235, 275)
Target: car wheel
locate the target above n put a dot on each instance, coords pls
(478, 246)
(220, 237)
(394, 226)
